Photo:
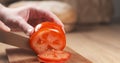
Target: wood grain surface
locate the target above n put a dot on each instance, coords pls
(17, 55)
(99, 44)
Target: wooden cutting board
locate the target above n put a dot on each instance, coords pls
(17, 55)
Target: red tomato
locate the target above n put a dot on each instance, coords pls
(47, 36)
(54, 56)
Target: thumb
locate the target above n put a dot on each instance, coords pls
(4, 27)
(27, 28)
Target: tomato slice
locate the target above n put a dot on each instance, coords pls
(47, 36)
(54, 56)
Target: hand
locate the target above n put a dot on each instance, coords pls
(26, 18)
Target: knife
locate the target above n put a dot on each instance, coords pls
(15, 39)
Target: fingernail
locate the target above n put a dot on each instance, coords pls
(63, 29)
(29, 31)
(7, 29)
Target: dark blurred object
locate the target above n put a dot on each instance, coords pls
(93, 11)
(7, 2)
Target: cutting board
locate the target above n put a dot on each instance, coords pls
(17, 55)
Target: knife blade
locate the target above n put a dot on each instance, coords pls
(14, 39)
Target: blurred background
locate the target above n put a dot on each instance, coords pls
(77, 13)
(93, 26)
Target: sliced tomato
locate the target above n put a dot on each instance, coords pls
(54, 56)
(47, 35)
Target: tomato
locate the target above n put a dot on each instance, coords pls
(54, 56)
(47, 36)
(48, 41)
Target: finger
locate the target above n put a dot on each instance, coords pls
(4, 27)
(23, 12)
(53, 17)
(28, 29)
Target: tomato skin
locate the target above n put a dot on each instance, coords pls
(47, 35)
(54, 56)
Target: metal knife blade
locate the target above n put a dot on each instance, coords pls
(14, 39)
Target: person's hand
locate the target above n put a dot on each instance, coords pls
(26, 18)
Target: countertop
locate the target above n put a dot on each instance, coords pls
(99, 44)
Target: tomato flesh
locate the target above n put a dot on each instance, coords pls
(54, 56)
